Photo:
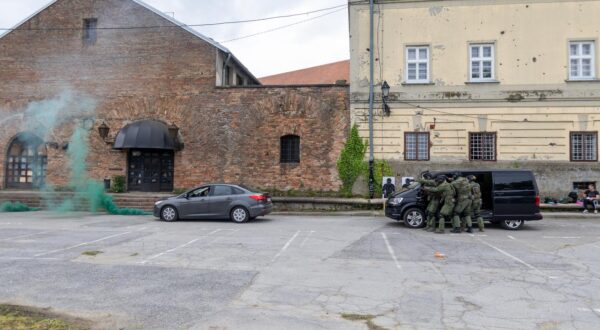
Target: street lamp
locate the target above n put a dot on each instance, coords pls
(385, 93)
(103, 130)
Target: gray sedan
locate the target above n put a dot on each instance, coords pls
(215, 201)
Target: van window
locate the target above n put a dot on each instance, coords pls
(513, 181)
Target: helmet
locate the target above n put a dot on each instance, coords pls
(471, 177)
(455, 175)
(427, 175)
(440, 178)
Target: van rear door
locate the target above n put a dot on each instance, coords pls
(515, 195)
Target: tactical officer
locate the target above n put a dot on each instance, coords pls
(433, 200)
(446, 192)
(476, 206)
(462, 210)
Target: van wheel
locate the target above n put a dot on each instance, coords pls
(414, 218)
(512, 224)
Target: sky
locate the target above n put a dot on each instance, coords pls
(315, 42)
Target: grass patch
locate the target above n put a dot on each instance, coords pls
(91, 253)
(367, 318)
(28, 318)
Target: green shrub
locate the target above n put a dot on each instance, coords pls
(351, 163)
(118, 184)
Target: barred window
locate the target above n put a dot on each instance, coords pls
(482, 146)
(416, 146)
(290, 149)
(584, 146)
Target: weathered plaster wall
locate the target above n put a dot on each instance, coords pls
(531, 107)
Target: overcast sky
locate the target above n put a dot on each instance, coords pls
(319, 41)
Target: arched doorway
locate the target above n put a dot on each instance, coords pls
(26, 162)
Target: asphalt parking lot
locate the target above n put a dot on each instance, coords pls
(301, 272)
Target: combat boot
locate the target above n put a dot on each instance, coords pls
(455, 230)
(481, 229)
(469, 230)
(439, 231)
(426, 228)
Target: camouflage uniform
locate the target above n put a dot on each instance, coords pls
(433, 203)
(446, 192)
(476, 206)
(462, 210)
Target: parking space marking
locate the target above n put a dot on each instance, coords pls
(391, 251)
(561, 237)
(596, 246)
(286, 245)
(511, 237)
(179, 247)
(27, 258)
(306, 238)
(515, 258)
(81, 244)
(24, 236)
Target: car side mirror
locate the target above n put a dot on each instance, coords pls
(186, 196)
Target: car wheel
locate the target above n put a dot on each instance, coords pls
(169, 213)
(239, 215)
(512, 224)
(414, 218)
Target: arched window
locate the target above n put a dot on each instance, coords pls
(26, 162)
(290, 149)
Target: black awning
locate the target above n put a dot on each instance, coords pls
(145, 134)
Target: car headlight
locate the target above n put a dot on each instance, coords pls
(396, 200)
(158, 203)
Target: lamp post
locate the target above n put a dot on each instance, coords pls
(371, 75)
(385, 93)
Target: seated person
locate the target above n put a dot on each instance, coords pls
(590, 198)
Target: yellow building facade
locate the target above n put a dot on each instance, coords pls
(482, 84)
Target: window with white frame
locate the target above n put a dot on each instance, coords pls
(582, 59)
(417, 64)
(481, 59)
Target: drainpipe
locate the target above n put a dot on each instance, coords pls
(371, 74)
(225, 66)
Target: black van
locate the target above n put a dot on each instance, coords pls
(509, 197)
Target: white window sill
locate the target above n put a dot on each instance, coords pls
(410, 83)
(474, 82)
(593, 80)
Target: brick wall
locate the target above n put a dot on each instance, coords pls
(166, 74)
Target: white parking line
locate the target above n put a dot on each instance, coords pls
(391, 251)
(82, 244)
(27, 258)
(562, 237)
(178, 247)
(511, 237)
(306, 238)
(515, 258)
(596, 246)
(286, 246)
(25, 236)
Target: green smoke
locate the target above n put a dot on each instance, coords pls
(43, 119)
(87, 192)
(16, 207)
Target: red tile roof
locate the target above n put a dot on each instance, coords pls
(322, 74)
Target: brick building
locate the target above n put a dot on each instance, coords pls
(163, 105)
